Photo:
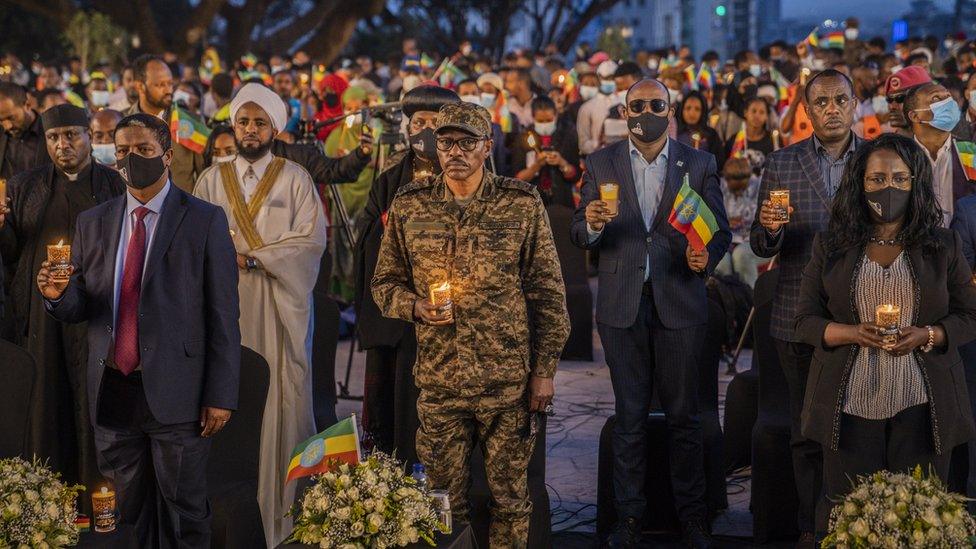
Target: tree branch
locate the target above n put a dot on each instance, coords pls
(569, 33)
(60, 11)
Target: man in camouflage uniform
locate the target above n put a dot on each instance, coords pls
(486, 360)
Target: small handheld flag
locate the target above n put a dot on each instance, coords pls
(835, 39)
(188, 131)
(739, 145)
(690, 79)
(967, 157)
(706, 78)
(691, 217)
(812, 39)
(339, 443)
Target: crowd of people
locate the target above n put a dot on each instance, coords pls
(197, 198)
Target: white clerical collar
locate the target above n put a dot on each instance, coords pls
(260, 165)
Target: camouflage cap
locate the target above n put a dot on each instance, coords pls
(464, 116)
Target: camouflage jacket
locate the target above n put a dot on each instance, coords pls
(498, 254)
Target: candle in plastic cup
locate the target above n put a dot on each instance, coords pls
(888, 317)
(440, 293)
(103, 505)
(59, 257)
(781, 199)
(609, 193)
(3, 192)
(443, 503)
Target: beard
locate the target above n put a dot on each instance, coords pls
(252, 152)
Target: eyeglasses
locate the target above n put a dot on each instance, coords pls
(896, 98)
(898, 181)
(637, 106)
(467, 144)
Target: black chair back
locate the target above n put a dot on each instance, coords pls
(15, 393)
(325, 339)
(235, 450)
(773, 392)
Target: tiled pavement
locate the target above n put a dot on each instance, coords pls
(584, 400)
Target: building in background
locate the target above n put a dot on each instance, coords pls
(648, 24)
(925, 18)
(965, 16)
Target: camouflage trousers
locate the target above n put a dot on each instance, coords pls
(449, 426)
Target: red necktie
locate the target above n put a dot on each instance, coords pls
(127, 321)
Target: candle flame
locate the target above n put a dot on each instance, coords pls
(562, 78)
(60, 243)
(531, 140)
(442, 287)
(104, 489)
(696, 136)
(350, 120)
(806, 71)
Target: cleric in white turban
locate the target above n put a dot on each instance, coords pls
(278, 227)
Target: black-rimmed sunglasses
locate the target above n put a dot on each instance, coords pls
(637, 106)
(467, 144)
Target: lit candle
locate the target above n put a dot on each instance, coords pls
(531, 142)
(350, 121)
(695, 139)
(440, 293)
(780, 198)
(775, 140)
(103, 505)
(3, 192)
(59, 257)
(888, 317)
(610, 193)
(804, 74)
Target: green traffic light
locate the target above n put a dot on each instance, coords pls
(720, 10)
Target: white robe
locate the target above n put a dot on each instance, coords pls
(276, 322)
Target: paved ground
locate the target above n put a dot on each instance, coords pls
(584, 399)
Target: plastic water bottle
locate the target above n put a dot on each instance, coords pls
(420, 475)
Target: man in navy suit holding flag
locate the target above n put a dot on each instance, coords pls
(651, 301)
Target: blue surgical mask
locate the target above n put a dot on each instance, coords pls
(945, 114)
(487, 100)
(104, 153)
(607, 87)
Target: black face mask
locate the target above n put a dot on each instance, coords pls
(887, 205)
(647, 127)
(423, 144)
(140, 172)
(331, 100)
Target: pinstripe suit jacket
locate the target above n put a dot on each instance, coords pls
(795, 168)
(626, 243)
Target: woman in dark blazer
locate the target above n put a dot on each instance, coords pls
(874, 404)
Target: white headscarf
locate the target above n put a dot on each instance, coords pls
(264, 97)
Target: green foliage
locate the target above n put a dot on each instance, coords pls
(613, 42)
(93, 37)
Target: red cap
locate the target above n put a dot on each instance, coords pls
(597, 58)
(906, 79)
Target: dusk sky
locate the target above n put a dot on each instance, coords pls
(872, 13)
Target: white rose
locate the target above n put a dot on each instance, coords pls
(850, 508)
(345, 480)
(52, 510)
(380, 506)
(376, 520)
(30, 495)
(37, 538)
(357, 529)
(860, 528)
(353, 493)
(342, 513)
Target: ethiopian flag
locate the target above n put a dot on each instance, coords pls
(690, 79)
(835, 39)
(339, 443)
(967, 157)
(706, 78)
(188, 131)
(812, 39)
(739, 145)
(691, 217)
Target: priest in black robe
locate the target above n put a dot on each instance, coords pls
(44, 203)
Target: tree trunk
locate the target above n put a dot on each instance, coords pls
(333, 34)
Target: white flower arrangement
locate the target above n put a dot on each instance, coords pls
(37, 510)
(890, 510)
(372, 505)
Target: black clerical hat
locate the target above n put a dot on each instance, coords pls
(60, 116)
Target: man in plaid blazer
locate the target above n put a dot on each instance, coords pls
(811, 170)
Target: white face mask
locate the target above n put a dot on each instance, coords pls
(819, 65)
(487, 100)
(851, 34)
(104, 153)
(545, 128)
(675, 96)
(228, 158)
(755, 70)
(476, 99)
(652, 63)
(588, 92)
(466, 49)
(99, 98)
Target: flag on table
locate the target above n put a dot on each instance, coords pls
(691, 217)
(967, 157)
(835, 39)
(812, 39)
(337, 444)
(690, 79)
(706, 78)
(739, 145)
(188, 131)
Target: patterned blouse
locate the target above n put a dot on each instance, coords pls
(881, 384)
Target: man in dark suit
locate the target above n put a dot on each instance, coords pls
(651, 306)
(45, 201)
(811, 170)
(155, 276)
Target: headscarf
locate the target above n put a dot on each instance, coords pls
(339, 86)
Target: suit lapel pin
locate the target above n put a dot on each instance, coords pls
(680, 163)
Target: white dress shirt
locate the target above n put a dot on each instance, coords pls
(942, 177)
(589, 122)
(251, 172)
(151, 220)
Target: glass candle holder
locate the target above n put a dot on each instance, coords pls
(610, 193)
(443, 503)
(780, 198)
(103, 507)
(59, 257)
(888, 317)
